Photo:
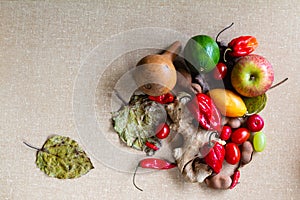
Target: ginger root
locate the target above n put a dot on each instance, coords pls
(194, 139)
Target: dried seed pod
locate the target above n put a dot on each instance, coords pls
(225, 120)
(219, 181)
(234, 122)
(246, 151)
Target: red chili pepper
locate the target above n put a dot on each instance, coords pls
(163, 99)
(235, 178)
(205, 112)
(242, 46)
(155, 163)
(215, 157)
(151, 146)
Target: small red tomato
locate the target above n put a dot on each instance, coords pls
(220, 71)
(225, 133)
(255, 123)
(232, 153)
(240, 135)
(162, 131)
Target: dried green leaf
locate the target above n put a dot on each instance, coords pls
(61, 157)
(136, 122)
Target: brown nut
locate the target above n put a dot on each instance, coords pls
(234, 122)
(219, 181)
(225, 120)
(246, 152)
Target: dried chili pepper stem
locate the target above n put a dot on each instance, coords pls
(133, 179)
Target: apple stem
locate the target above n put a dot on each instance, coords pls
(224, 29)
(277, 84)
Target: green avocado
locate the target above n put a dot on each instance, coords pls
(202, 53)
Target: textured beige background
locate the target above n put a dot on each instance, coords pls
(42, 45)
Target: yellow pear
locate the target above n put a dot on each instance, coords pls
(228, 103)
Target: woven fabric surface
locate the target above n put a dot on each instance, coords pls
(44, 46)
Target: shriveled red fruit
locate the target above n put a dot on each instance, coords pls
(225, 133)
(215, 157)
(220, 71)
(255, 123)
(232, 153)
(240, 135)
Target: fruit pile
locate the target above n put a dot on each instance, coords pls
(228, 84)
(236, 82)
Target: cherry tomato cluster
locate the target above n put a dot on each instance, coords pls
(235, 137)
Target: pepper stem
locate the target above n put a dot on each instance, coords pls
(210, 143)
(224, 55)
(224, 29)
(133, 178)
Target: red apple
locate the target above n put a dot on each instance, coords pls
(252, 75)
(255, 123)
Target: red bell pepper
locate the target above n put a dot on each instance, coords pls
(205, 112)
(242, 46)
(215, 157)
